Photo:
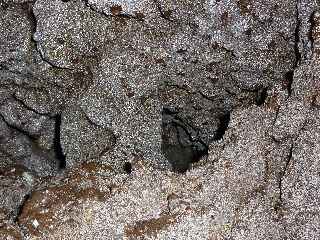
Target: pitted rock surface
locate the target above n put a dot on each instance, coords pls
(159, 119)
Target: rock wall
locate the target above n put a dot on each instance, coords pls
(159, 119)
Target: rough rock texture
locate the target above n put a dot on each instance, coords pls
(159, 119)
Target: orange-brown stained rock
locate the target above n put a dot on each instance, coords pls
(46, 206)
(88, 171)
(316, 100)
(94, 167)
(272, 103)
(149, 227)
(116, 10)
(41, 207)
(10, 232)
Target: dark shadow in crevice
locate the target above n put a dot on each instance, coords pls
(57, 143)
(178, 146)
(224, 120)
(261, 96)
(297, 38)
(181, 157)
(127, 167)
(289, 80)
(312, 26)
(288, 77)
(20, 207)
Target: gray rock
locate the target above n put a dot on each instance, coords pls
(81, 140)
(203, 114)
(16, 185)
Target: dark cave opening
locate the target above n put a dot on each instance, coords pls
(178, 146)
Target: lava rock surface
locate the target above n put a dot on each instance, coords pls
(159, 119)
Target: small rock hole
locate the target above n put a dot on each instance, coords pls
(127, 167)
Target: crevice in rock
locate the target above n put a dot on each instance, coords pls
(57, 143)
(297, 37)
(20, 208)
(33, 22)
(19, 213)
(289, 76)
(127, 167)
(181, 143)
(20, 101)
(288, 161)
(164, 14)
(31, 137)
(52, 64)
(274, 123)
(261, 96)
(224, 121)
(289, 80)
(312, 26)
